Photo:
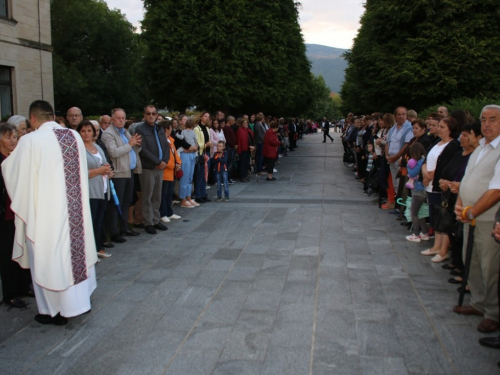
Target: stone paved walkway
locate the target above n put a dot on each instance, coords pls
(301, 276)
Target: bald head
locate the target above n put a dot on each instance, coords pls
(74, 117)
(443, 111)
(104, 122)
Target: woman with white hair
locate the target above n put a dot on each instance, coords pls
(20, 123)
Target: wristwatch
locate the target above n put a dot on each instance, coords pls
(469, 215)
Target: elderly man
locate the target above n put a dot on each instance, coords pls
(154, 155)
(54, 236)
(104, 122)
(123, 150)
(479, 199)
(74, 117)
(398, 139)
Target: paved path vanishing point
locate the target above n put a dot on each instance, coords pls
(301, 276)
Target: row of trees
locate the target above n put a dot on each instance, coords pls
(235, 55)
(419, 53)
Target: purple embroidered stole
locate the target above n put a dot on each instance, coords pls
(71, 162)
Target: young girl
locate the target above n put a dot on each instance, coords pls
(417, 154)
(188, 162)
(220, 160)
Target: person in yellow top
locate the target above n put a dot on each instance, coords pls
(203, 136)
(173, 165)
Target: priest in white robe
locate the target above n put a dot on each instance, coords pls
(47, 180)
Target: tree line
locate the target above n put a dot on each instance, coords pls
(418, 53)
(236, 55)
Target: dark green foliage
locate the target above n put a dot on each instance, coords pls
(236, 55)
(422, 52)
(96, 58)
(472, 105)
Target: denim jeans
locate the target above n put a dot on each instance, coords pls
(221, 178)
(186, 181)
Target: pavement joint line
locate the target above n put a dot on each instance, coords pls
(207, 306)
(427, 315)
(316, 298)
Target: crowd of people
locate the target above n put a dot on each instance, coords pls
(118, 175)
(440, 176)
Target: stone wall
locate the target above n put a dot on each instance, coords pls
(25, 45)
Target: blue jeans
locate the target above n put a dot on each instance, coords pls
(221, 178)
(259, 157)
(186, 181)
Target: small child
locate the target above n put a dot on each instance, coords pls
(220, 158)
(188, 133)
(420, 230)
(369, 167)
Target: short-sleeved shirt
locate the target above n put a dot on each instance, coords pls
(484, 149)
(395, 138)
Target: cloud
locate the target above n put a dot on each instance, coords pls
(332, 23)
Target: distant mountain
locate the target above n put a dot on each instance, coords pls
(328, 62)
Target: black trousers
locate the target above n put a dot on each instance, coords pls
(124, 190)
(325, 134)
(244, 164)
(97, 210)
(16, 281)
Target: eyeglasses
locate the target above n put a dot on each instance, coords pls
(74, 115)
(151, 113)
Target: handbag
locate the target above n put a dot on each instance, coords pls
(178, 174)
(444, 220)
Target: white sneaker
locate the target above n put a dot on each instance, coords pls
(424, 237)
(207, 187)
(165, 219)
(275, 170)
(413, 238)
(280, 156)
(174, 217)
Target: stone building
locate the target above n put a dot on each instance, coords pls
(25, 55)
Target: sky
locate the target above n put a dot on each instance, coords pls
(331, 23)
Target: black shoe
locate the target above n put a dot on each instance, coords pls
(161, 226)
(199, 200)
(150, 229)
(459, 290)
(270, 179)
(323, 142)
(18, 303)
(206, 199)
(141, 226)
(118, 239)
(454, 281)
(57, 320)
(448, 266)
(130, 232)
(108, 245)
(490, 342)
(455, 273)
(230, 182)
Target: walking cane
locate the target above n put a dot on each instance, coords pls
(468, 255)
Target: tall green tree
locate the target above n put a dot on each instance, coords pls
(97, 57)
(237, 55)
(421, 52)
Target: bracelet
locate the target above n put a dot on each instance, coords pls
(464, 212)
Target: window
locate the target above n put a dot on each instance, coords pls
(4, 10)
(6, 109)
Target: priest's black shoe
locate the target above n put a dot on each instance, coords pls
(150, 229)
(57, 320)
(206, 199)
(490, 342)
(130, 232)
(161, 226)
